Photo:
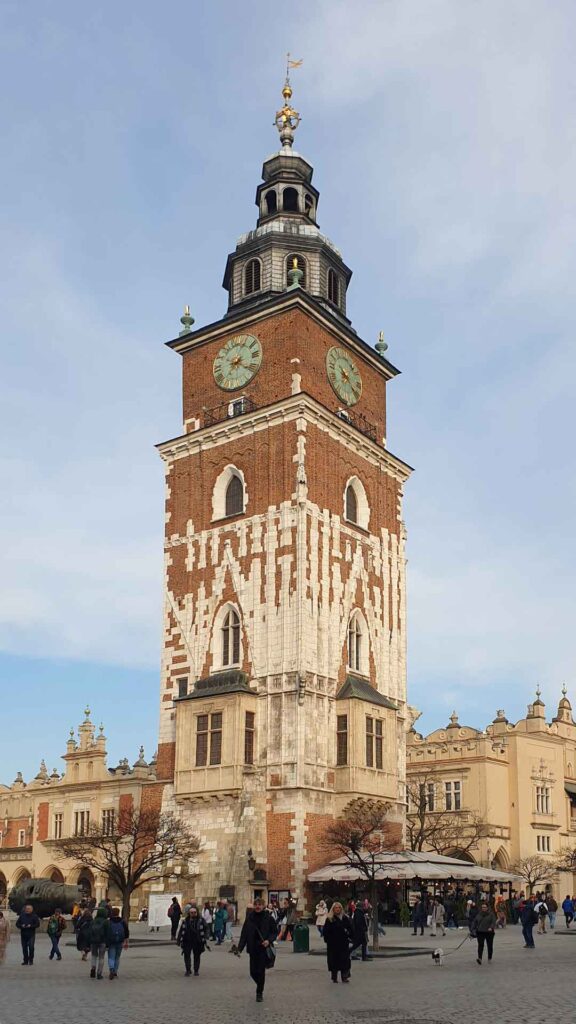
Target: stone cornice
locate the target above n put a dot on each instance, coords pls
(300, 299)
(287, 410)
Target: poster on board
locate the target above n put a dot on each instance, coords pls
(158, 903)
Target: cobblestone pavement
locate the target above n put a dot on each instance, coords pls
(518, 986)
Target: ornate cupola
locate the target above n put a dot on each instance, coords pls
(286, 250)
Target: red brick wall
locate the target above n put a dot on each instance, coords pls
(280, 858)
(151, 799)
(42, 823)
(14, 825)
(316, 853)
(166, 759)
(284, 336)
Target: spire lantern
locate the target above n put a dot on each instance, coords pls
(287, 118)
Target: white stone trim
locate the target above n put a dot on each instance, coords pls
(362, 505)
(220, 488)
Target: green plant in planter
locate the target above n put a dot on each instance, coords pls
(405, 915)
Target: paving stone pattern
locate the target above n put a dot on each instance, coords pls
(535, 987)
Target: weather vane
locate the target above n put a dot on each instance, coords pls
(287, 118)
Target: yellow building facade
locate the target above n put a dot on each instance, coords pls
(518, 778)
(35, 815)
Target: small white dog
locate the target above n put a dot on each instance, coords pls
(438, 957)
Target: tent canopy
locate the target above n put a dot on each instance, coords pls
(410, 864)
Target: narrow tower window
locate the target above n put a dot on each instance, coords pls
(271, 201)
(342, 739)
(301, 265)
(252, 277)
(234, 497)
(308, 205)
(333, 287)
(290, 200)
(351, 505)
(355, 644)
(231, 639)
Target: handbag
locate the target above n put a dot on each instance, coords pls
(269, 951)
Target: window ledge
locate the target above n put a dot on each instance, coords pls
(362, 529)
(226, 519)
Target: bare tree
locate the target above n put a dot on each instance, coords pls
(144, 846)
(361, 834)
(533, 870)
(431, 826)
(566, 859)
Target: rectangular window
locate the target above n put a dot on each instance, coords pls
(249, 722)
(57, 825)
(431, 796)
(369, 742)
(108, 821)
(21, 837)
(201, 740)
(342, 739)
(457, 796)
(448, 795)
(216, 738)
(379, 744)
(81, 822)
(182, 685)
(543, 844)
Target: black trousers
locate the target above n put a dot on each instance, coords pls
(174, 921)
(27, 939)
(188, 959)
(488, 938)
(258, 970)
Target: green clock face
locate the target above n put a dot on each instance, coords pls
(237, 362)
(344, 375)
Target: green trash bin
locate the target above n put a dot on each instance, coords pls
(301, 940)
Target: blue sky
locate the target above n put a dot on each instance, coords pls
(442, 134)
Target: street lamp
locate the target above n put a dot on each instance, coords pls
(251, 860)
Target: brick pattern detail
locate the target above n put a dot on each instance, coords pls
(279, 829)
(11, 837)
(42, 821)
(316, 853)
(165, 761)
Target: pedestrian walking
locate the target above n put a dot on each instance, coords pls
(419, 916)
(27, 921)
(220, 919)
(568, 909)
(230, 920)
(360, 931)
(207, 918)
(99, 935)
(174, 913)
(542, 911)
(119, 933)
(501, 913)
(528, 918)
(552, 911)
(437, 916)
(4, 936)
(321, 915)
(338, 937)
(289, 919)
(192, 940)
(83, 933)
(482, 927)
(56, 925)
(257, 936)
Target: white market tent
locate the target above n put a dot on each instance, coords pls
(406, 865)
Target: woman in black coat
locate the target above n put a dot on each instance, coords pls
(83, 925)
(192, 939)
(338, 937)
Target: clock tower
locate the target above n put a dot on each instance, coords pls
(283, 694)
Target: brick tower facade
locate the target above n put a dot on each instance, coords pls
(283, 694)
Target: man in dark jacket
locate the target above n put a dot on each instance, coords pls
(119, 933)
(360, 931)
(174, 913)
(28, 921)
(258, 933)
(192, 940)
(528, 918)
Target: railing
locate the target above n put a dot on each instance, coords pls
(228, 410)
(357, 420)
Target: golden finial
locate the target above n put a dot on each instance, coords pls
(287, 118)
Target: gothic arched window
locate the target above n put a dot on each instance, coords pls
(234, 504)
(252, 277)
(301, 265)
(290, 200)
(351, 505)
(333, 287)
(271, 201)
(231, 638)
(355, 646)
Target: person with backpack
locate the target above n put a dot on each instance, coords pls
(192, 940)
(174, 913)
(257, 936)
(56, 925)
(118, 940)
(552, 911)
(528, 918)
(83, 933)
(99, 935)
(542, 911)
